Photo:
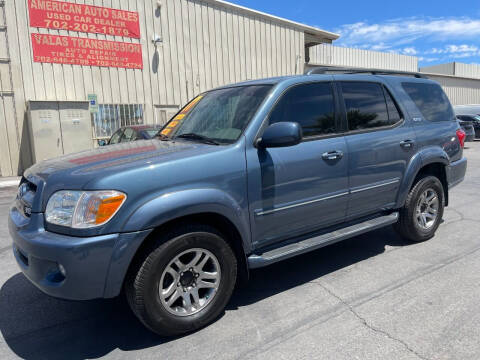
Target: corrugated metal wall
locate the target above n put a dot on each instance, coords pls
(326, 54)
(467, 70)
(460, 91)
(204, 45)
(454, 68)
(460, 81)
(447, 69)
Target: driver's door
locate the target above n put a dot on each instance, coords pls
(297, 189)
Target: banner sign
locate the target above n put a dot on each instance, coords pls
(62, 15)
(88, 52)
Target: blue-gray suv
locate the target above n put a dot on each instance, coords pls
(242, 177)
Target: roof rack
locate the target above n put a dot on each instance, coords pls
(346, 70)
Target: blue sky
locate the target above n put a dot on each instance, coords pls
(434, 31)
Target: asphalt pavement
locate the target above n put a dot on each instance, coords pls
(371, 297)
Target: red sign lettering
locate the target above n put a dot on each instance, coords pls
(87, 52)
(62, 15)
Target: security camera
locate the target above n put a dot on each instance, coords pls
(156, 39)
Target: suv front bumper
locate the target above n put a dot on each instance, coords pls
(75, 268)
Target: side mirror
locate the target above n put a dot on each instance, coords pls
(281, 134)
(102, 142)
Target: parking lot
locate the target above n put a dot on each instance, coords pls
(370, 297)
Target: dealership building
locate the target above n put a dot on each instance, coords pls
(74, 71)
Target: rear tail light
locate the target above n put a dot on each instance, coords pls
(461, 137)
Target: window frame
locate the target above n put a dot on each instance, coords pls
(385, 90)
(338, 121)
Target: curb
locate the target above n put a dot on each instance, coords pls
(8, 182)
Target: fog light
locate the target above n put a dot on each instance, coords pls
(62, 270)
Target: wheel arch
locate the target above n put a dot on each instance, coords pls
(218, 221)
(432, 161)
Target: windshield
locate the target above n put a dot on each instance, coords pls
(477, 118)
(219, 116)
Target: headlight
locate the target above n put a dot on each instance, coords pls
(83, 209)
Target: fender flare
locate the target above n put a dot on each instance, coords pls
(426, 156)
(171, 206)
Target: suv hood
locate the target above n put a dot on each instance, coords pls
(115, 158)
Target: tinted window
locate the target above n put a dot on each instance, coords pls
(116, 137)
(430, 100)
(128, 135)
(311, 105)
(366, 106)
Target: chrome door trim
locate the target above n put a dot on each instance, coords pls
(286, 207)
(369, 187)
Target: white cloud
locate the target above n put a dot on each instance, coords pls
(409, 51)
(453, 49)
(428, 59)
(430, 39)
(403, 31)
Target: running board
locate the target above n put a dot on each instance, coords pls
(303, 246)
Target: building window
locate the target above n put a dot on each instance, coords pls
(111, 117)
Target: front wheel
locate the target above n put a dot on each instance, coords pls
(183, 284)
(423, 210)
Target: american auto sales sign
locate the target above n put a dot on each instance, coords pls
(68, 16)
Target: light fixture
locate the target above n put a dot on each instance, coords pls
(156, 39)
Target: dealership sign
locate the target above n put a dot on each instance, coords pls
(62, 15)
(87, 52)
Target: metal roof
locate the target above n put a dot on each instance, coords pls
(309, 30)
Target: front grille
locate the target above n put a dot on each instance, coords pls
(25, 196)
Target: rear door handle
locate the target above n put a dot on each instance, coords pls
(407, 144)
(332, 155)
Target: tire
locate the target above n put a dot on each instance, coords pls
(412, 224)
(207, 287)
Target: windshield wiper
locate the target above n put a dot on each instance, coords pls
(162, 137)
(201, 138)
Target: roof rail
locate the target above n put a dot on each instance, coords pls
(347, 70)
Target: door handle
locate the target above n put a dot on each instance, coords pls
(407, 144)
(332, 155)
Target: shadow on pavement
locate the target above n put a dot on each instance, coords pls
(36, 326)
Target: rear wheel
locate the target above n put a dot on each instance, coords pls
(184, 283)
(423, 210)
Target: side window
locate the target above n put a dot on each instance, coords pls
(115, 139)
(366, 106)
(311, 105)
(430, 100)
(128, 135)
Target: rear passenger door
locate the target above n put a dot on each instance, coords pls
(297, 189)
(380, 144)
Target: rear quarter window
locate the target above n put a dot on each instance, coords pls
(430, 100)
